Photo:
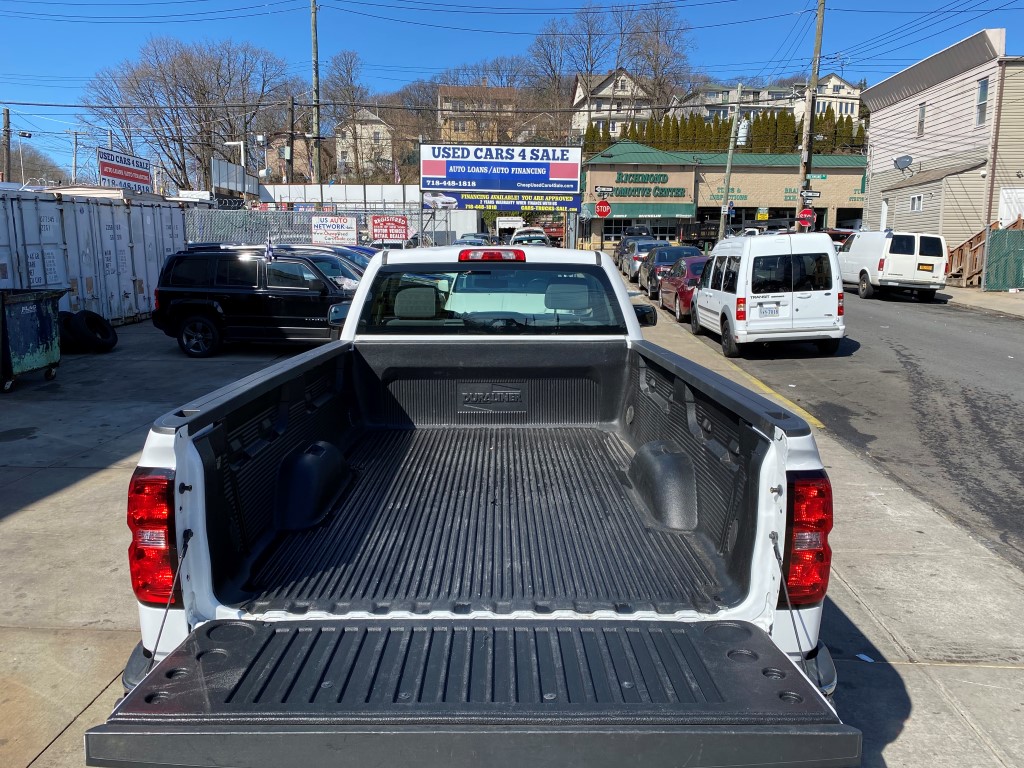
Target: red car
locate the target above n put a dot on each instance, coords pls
(676, 289)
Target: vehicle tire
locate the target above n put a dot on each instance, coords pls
(864, 288)
(729, 346)
(198, 336)
(50, 374)
(828, 346)
(69, 341)
(94, 331)
(926, 295)
(7, 386)
(678, 312)
(661, 299)
(652, 294)
(695, 327)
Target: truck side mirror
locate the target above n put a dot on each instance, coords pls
(646, 315)
(337, 314)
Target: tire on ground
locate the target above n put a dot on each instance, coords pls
(94, 331)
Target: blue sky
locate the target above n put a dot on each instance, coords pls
(51, 49)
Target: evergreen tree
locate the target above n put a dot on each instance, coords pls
(653, 137)
(689, 140)
(858, 139)
(631, 132)
(641, 132)
(756, 137)
(674, 135)
(844, 135)
(589, 139)
(606, 136)
(773, 132)
(666, 133)
(825, 126)
(798, 135)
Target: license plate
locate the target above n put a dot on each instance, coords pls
(769, 311)
(925, 267)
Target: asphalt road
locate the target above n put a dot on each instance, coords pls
(932, 394)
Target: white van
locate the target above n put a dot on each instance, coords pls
(893, 261)
(771, 288)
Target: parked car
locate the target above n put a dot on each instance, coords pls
(487, 237)
(530, 238)
(659, 261)
(469, 241)
(620, 248)
(635, 253)
(363, 249)
(894, 261)
(206, 298)
(638, 229)
(352, 264)
(771, 288)
(392, 245)
(675, 289)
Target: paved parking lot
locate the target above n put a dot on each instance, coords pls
(927, 627)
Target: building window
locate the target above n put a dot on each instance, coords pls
(981, 110)
(618, 106)
(920, 119)
(457, 106)
(621, 85)
(836, 88)
(821, 89)
(916, 203)
(599, 125)
(459, 126)
(376, 137)
(611, 127)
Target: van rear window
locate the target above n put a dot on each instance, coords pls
(799, 272)
(931, 246)
(812, 272)
(902, 245)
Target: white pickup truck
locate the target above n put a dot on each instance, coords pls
(490, 525)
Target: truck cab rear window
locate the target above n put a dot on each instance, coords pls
(521, 299)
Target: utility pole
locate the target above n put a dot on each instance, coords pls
(6, 146)
(74, 154)
(807, 144)
(316, 97)
(728, 161)
(288, 167)
(110, 139)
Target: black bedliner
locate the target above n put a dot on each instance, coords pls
(449, 693)
(488, 519)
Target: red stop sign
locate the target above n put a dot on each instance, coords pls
(603, 208)
(806, 217)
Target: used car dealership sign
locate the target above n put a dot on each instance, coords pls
(482, 168)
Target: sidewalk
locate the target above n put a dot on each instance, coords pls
(991, 301)
(925, 625)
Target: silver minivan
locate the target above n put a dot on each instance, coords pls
(771, 288)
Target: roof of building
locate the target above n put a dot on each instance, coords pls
(476, 90)
(363, 115)
(631, 153)
(929, 177)
(981, 47)
(589, 83)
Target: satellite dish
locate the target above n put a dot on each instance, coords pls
(902, 162)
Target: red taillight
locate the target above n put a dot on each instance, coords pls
(153, 554)
(639, 257)
(841, 310)
(503, 254)
(156, 299)
(741, 309)
(808, 557)
(881, 264)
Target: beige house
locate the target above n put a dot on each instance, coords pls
(720, 101)
(956, 122)
(364, 147)
(833, 91)
(614, 98)
(479, 114)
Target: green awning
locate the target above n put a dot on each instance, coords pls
(643, 211)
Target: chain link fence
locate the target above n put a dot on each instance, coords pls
(1004, 262)
(223, 226)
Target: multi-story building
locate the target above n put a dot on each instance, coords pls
(946, 142)
(364, 147)
(833, 91)
(720, 101)
(614, 98)
(479, 114)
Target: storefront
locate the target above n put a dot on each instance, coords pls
(679, 195)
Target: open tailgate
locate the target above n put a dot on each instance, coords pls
(454, 694)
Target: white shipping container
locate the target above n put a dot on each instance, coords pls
(106, 251)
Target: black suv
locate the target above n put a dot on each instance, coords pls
(211, 295)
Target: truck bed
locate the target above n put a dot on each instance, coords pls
(486, 519)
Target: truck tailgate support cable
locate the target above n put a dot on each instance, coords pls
(186, 537)
(785, 591)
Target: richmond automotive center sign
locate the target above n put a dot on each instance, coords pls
(487, 168)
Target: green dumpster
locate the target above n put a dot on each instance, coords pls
(29, 334)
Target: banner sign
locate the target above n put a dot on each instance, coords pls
(124, 171)
(389, 227)
(484, 168)
(501, 201)
(335, 230)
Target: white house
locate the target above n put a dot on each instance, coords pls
(614, 98)
(956, 122)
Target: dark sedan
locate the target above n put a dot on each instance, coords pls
(676, 286)
(658, 262)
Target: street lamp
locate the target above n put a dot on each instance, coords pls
(21, 153)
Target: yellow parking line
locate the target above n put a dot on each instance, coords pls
(756, 383)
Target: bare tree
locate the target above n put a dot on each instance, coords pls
(345, 95)
(658, 55)
(587, 46)
(548, 57)
(31, 166)
(180, 102)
